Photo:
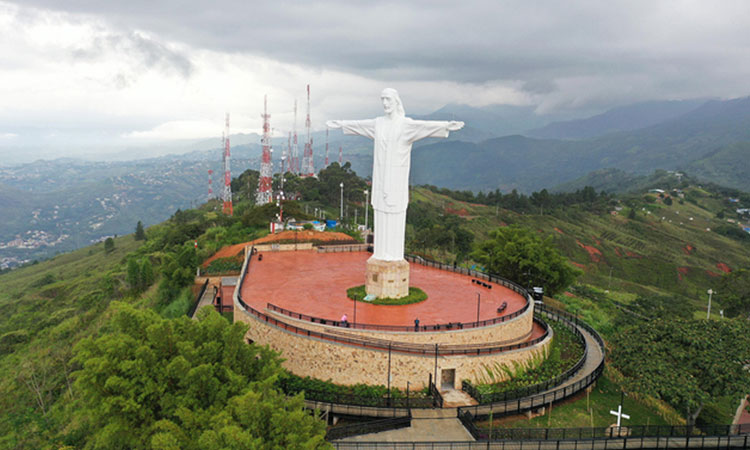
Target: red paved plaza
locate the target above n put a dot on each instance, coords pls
(315, 283)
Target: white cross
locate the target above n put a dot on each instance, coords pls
(619, 414)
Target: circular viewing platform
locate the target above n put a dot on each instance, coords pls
(294, 302)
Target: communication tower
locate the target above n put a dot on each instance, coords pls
(266, 171)
(210, 185)
(227, 194)
(341, 156)
(294, 158)
(308, 168)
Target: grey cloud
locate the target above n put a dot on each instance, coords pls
(540, 44)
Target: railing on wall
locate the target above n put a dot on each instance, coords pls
(402, 328)
(373, 426)
(192, 309)
(520, 405)
(419, 349)
(485, 398)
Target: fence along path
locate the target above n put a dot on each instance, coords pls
(587, 374)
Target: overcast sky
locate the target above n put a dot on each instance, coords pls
(88, 71)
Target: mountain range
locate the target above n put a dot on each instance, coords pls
(52, 206)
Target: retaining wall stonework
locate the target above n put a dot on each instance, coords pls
(349, 364)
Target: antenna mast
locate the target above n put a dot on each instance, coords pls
(266, 171)
(308, 168)
(210, 185)
(341, 156)
(227, 195)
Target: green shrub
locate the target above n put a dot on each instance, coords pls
(415, 295)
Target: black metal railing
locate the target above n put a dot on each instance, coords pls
(470, 272)
(696, 442)
(406, 328)
(342, 248)
(520, 405)
(197, 301)
(630, 431)
(484, 398)
(437, 397)
(372, 426)
(402, 347)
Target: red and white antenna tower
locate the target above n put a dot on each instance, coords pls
(264, 193)
(308, 168)
(227, 194)
(294, 157)
(210, 185)
(326, 165)
(341, 156)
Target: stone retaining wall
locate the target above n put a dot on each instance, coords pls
(348, 364)
(511, 331)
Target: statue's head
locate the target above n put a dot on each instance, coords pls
(392, 102)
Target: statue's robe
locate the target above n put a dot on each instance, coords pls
(390, 174)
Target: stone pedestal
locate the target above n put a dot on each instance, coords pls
(387, 279)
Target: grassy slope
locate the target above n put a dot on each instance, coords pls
(643, 256)
(54, 317)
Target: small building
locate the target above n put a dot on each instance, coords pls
(223, 301)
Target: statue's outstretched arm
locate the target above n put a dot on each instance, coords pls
(364, 128)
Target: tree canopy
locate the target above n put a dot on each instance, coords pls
(148, 382)
(521, 255)
(734, 293)
(685, 362)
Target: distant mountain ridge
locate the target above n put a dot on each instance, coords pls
(624, 118)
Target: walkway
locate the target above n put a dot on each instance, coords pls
(206, 299)
(442, 424)
(594, 357)
(426, 425)
(313, 283)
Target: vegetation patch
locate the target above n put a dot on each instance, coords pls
(564, 353)
(222, 265)
(416, 295)
(327, 391)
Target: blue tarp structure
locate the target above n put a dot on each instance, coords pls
(331, 223)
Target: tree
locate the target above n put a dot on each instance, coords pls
(109, 245)
(734, 292)
(685, 362)
(520, 255)
(140, 233)
(149, 382)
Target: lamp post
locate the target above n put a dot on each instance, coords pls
(710, 293)
(341, 210)
(367, 206)
(479, 300)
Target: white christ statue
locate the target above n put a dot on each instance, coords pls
(394, 134)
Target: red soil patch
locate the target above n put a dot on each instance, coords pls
(582, 266)
(617, 252)
(568, 294)
(503, 224)
(594, 253)
(723, 267)
(559, 230)
(288, 235)
(682, 271)
(598, 242)
(688, 249)
(633, 254)
(712, 274)
(457, 212)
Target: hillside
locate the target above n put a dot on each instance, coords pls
(624, 118)
(666, 249)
